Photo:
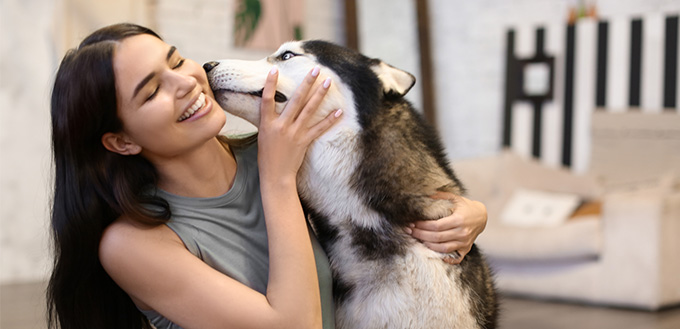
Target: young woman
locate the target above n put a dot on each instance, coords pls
(157, 219)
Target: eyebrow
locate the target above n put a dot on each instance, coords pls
(150, 76)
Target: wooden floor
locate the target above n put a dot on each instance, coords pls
(22, 307)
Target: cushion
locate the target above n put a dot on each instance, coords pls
(574, 240)
(536, 208)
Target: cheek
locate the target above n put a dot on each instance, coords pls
(197, 71)
(149, 123)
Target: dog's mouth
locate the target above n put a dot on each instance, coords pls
(279, 97)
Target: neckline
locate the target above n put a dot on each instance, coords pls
(236, 189)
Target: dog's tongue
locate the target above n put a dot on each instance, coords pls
(278, 97)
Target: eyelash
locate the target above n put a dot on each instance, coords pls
(180, 63)
(155, 91)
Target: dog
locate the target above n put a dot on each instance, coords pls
(363, 181)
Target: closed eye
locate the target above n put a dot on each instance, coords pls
(179, 64)
(153, 94)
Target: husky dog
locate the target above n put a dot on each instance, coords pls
(362, 182)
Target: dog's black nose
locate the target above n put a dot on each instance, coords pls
(209, 66)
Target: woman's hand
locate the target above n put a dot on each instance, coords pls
(455, 233)
(283, 138)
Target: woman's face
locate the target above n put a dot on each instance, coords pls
(164, 100)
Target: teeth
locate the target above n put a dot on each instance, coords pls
(195, 107)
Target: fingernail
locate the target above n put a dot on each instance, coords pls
(315, 71)
(338, 113)
(327, 83)
(273, 70)
(408, 230)
(411, 225)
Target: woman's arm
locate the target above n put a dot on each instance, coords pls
(454, 233)
(283, 140)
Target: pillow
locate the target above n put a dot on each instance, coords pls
(535, 208)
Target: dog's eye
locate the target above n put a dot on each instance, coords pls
(287, 55)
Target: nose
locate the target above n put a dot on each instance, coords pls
(209, 66)
(183, 83)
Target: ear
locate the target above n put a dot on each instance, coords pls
(393, 79)
(121, 144)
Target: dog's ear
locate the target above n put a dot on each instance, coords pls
(394, 80)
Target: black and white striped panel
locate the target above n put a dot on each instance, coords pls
(616, 65)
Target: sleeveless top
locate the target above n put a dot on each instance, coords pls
(228, 233)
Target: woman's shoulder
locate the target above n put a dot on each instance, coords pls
(125, 239)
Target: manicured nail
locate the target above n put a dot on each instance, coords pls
(338, 113)
(315, 71)
(327, 83)
(273, 70)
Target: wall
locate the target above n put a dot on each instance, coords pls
(392, 38)
(30, 50)
(26, 63)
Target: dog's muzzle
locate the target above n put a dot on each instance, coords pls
(279, 97)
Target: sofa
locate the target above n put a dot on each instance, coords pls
(618, 245)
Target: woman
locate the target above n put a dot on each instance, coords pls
(156, 218)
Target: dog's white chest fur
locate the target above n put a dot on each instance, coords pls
(384, 293)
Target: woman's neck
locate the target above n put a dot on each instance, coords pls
(207, 171)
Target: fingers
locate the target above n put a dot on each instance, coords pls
(449, 222)
(448, 247)
(313, 103)
(268, 106)
(454, 252)
(324, 125)
(453, 258)
(297, 101)
(440, 195)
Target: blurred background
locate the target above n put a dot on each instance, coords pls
(538, 102)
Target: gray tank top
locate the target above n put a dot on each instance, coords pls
(228, 233)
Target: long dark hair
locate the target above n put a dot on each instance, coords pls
(93, 187)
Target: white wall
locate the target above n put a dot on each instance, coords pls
(26, 63)
(388, 30)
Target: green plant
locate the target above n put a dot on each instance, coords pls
(246, 20)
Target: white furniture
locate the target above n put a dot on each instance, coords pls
(627, 254)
